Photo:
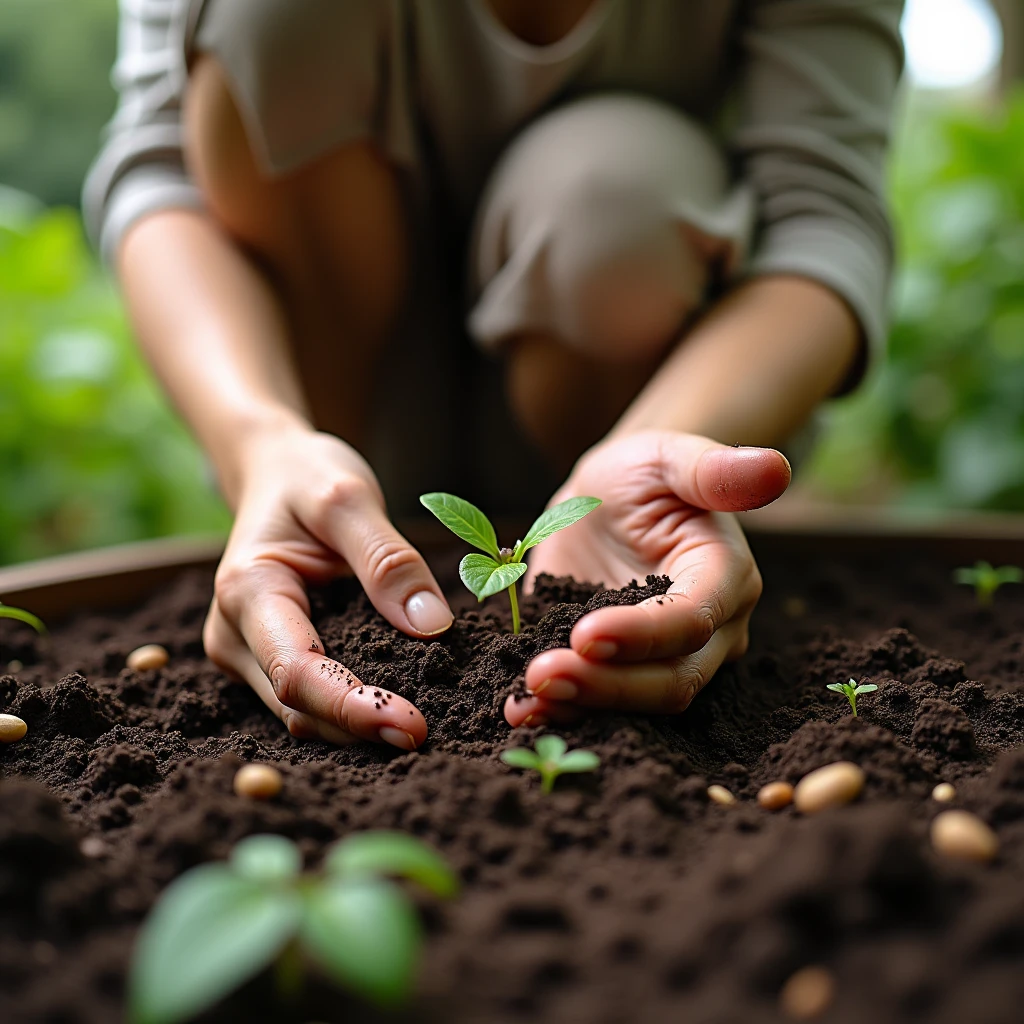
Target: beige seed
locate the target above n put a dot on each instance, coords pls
(807, 994)
(832, 786)
(150, 656)
(964, 836)
(721, 795)
(93, 847)
(944, 793)
(15, 666)
(12, 728)
(258, 781)
(775, 796)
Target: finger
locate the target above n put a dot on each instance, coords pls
(266, 603)
(718, 477)
(706, 595)
(664, 687)
(535, 711)
(392, 572)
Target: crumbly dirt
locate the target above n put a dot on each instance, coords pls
(624, 896)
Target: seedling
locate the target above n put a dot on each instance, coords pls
(852, 689)
(551, 758)
(499, 568)
(986, 580)
(219, 924)
(7, 612)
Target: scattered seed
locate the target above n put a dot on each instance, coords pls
(12, 728)
(794, 607)
(15, 665)
(964, 836)
(832, 786)
(147, 657)
(808, 993)
(93, 847)
(775, 796)
(258, 781)
(720, 795)
(944, 793)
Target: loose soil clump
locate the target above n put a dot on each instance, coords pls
(627, 894)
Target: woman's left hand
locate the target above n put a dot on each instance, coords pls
(667, 499)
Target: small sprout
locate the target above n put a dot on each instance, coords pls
(497, 568)
(551, 757)
(986, 580)
(218, 925)
(7, 612)
(851, 690)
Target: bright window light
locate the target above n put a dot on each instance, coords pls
(951, 43)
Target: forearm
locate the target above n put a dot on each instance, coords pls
(754, 369)
(214, 332)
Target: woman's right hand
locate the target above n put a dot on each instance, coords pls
(309, 509)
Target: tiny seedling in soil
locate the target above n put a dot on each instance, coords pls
(7, 612)
(218, 925)
(851, 690)
(499, 568)
(550, 756)
(986, 580)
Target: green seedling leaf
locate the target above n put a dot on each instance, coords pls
(579, 761)
(520, 757)
(554, 519)
(837, 687)
(8, 612)
(866, 688)
(986, 580)
(210, 931)
(464, 520)
(266, 859)
(850, 691)
(485, 577)
(550, 748)
(366, 854)
(365, 933)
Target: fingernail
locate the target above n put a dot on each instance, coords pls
(600, 650)
(427, 613)
(556, 689)
(397, 737)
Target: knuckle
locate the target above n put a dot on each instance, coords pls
(341, 492)
(297, 726)
(284, 678)
(687, 680)
(709, 617)
(230, 585)
(386, 558)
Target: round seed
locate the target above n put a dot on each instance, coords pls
(964, 836)
(720, 795)
(808, 993)
(93, 846)
(944, 793)
(12, 728)
(150, 656)
(775, 796)
(15, 666)
(832, 786)
(258, 781)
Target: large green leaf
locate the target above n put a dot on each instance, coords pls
(393, 853)
(549, 747)
(579, 761)
(266, 858)
(7, 612)
(210, 931)
(464, 520)
(554, 519)
(365, 933)
(485, 577)
(520, 757)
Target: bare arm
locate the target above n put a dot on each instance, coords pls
(755, 368)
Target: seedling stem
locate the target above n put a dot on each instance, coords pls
(851, 689)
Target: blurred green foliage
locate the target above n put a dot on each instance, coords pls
(940, 423)
(89, 452)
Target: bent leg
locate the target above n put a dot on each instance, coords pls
(598, 236)
(331, 235)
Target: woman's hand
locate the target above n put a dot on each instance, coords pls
(667, 498)
(309, 509)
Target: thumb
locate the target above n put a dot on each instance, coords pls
(716, 476)
(393, 573)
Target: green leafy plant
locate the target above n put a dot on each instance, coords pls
(7, 612)
(986, 580)
(497, 568)
(219, 924)
(851, 690)
(551, 757)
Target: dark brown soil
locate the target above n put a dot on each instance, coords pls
(625, 896)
